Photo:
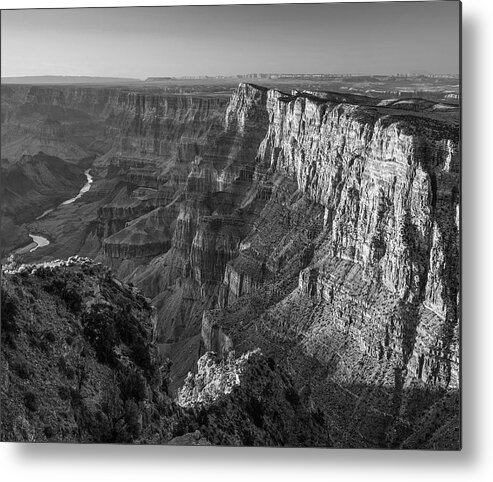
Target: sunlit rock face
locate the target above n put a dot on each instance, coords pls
(389, 187)
(377, 290)
(246, 109)
(377, 177)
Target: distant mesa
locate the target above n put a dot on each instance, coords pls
(84, 79)
(158, 79)
(67, 79)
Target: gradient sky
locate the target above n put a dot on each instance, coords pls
(224, 40)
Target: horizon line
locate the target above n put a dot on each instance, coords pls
(226, 76)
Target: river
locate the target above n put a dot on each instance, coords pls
(40, 241)
(83, 190)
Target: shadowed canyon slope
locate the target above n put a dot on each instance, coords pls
(79, 365)
(321, 228)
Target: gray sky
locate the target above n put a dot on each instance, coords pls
(173, 41)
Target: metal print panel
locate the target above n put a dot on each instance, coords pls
(232, 225)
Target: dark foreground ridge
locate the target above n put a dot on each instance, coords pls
(79, 365)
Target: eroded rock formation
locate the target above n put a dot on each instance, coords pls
(376, 295)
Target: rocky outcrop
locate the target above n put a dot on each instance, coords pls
(146, 236)
(213, 337)
(254, 397)
(126, 207)
(242, 277)
(215, 243)
(246, 109)
(77, 359)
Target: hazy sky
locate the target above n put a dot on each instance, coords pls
(173, 41)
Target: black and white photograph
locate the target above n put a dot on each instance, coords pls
(232, 225)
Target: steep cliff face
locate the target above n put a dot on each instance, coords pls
(375, 299)
(389, 187)
(246, 109)
(385, 181)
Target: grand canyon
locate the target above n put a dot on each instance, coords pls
(231, 225)
(264, 262)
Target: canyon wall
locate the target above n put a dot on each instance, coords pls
(389, 187)
(376, 298)
(74, 122)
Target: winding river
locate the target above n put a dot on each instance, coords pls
(83, 190)
(40, 241)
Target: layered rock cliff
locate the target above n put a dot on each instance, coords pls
(141, 123)
(375, 299)
(389, 187)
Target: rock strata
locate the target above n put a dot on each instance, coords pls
(379, 279)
